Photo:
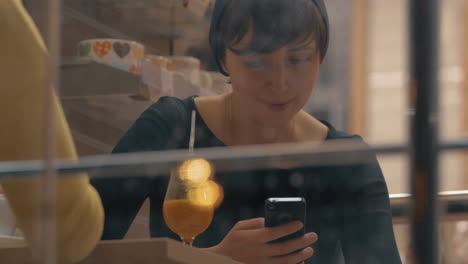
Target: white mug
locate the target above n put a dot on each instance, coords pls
(182, 88)
(189, 67)
(7, 218)
(206, 82)
(156, 80)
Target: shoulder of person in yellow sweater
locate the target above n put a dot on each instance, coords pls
(80, 215)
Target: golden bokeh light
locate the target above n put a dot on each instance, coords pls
(208, 193)
(196, 171)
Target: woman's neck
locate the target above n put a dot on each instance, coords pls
(241, 128)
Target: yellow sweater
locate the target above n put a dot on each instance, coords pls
(23, 64)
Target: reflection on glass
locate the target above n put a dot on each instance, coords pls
(266, 88)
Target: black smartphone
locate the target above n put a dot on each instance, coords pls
(280, 211)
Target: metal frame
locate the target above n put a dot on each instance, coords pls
(424, 39)
(224, 159)
(424, 146)
(454, 206)
(47, 253)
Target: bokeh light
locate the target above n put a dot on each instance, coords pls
(208, 193)
(195, 171)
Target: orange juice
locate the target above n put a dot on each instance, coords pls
(187, 218)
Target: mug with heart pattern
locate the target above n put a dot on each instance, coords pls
(125, 55)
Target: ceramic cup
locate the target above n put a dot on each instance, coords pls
(7, 219)
(189, 67)
(161, 61)
(206, 82)
(182, 87)
(125, 55)
(156, 78)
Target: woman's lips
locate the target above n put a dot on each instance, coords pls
(279, 106)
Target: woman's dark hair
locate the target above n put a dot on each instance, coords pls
(275, 23)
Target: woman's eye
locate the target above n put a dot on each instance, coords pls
(297, 61)
(257, 65)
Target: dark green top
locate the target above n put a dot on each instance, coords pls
(347, 206)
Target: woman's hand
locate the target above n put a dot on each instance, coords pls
(247, 243)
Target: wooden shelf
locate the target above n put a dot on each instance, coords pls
(84, 78)
(100, 103)
(98, 122)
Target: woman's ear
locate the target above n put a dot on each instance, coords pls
(225, 69)
(223, 64)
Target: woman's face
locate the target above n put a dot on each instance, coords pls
(274, 86)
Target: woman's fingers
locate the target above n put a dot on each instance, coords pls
(272, 233)
(247, 243)
(255, 223)
(295, 258)
(283, 248)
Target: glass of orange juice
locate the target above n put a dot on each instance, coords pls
(190, 199)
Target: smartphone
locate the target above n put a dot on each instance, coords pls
(280, 211)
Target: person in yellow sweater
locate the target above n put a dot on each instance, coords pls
(23, 65)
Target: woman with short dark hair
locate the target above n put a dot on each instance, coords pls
(272, 51)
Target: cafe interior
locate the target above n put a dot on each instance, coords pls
(163, 131)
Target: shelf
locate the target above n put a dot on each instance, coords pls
(100, 103)
(84, 77)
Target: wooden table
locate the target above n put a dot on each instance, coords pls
(152, 251)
